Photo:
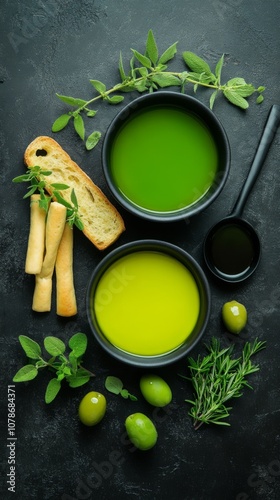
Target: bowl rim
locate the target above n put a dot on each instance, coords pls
(207, 116)
(202, 283)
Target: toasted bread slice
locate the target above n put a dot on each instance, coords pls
(102, 222)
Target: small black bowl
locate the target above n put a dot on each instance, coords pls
(202, 286)
(190, 106)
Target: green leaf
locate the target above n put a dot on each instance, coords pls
(121, 69)
(60, 187)
(143, 71)
(145, 61)
(21, 178)
(124, 393)
(54, 346)
(218, 69)
(99, 86)
(52, 390)
(236, 81)
(140, 86)
(151, 48)
(73, 101)
(236, 99)
(166, 80)
(113, 384)
(27, 372)
(196, 63)
(245, 90)
(78, 223)
(213, 98)
(74, 198)
(60, 123)
(30, 192)
(168, 54)
(75, 381)
(91, 113)
(259, 99)
(132, 398)
(78, 344)
(74, 362)
(115, 99)
(30, 347)
(79, 126)
(93, 140)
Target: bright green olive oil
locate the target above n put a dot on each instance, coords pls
(164, 159)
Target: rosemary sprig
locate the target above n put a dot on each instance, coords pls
(217, 378)
(147, 73)
(36, 177)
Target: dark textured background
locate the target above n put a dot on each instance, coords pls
(57, 46)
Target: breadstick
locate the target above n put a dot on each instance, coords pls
(43, 284)
(36, 239)
(66, 304)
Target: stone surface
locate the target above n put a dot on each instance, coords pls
(49, 47)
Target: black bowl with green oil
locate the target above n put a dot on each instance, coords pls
(165, 156)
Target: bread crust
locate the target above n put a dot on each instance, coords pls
(103, 223)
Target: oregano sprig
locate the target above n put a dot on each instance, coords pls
(67, 368)
(115, 385)
(36, 178)
(217, 378)
(148, 73)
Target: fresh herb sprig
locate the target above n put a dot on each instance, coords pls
(217, 378)
(36, 178)
(66, 367)
(115, 385)
(147, 73)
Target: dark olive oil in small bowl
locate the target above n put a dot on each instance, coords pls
(165, 156)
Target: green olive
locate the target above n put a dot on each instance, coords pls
(155, 390)
(234, 316)
(92, 408)
(141, 431)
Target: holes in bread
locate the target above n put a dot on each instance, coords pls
(41, 152)
(90, 193)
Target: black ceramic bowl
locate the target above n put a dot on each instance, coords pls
(204, 302)
(206, 119)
